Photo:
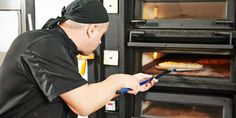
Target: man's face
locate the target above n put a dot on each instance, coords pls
(94, 36)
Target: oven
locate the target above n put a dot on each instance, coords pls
(212, 50)
(206, 91)
(198, 35)
(184, 14)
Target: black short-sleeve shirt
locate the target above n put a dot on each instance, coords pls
(39, 66)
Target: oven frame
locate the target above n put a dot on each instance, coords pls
(228, 23)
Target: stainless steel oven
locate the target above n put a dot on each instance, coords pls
(213, 50)
(191, 94)
(190, 31)
(183, 32)
(184, 14)
(15, 16)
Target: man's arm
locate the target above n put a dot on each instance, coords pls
(88, 98)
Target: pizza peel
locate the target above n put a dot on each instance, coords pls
(125, 90)
(157, 76)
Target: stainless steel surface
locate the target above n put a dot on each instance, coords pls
(18, 6)
(10, 28)
(10, 4)
(13, 15)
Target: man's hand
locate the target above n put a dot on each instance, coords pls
(142, 77)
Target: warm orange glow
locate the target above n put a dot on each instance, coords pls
(155, 55)
(156, 12)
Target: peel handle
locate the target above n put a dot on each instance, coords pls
(125, 90)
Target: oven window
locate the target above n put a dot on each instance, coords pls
(189, 65)
(184, 10)
(177, 110)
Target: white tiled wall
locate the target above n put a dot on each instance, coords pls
(46, 9)
(9, 30)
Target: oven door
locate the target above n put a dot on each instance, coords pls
(190, 14)
(169, 105)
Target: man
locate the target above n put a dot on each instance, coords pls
(39, 76)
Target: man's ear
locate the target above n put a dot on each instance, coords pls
(91, 30)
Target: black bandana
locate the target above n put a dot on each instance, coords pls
(81, 11)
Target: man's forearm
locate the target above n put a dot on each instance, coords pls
(89, 98)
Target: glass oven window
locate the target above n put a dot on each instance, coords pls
(178, 110)
(190, 65)
(185, 10)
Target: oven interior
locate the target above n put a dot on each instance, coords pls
(171, 105)
(190, 14)
(216, 67)
(176, 110)
(184, 10)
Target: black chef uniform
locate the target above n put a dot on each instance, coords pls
(42, 65)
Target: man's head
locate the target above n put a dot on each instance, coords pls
(86, 22)
(86, 37)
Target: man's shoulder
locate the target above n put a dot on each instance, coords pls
(42, 34)
(41, 41)
(43, 37)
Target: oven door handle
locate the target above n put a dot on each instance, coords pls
(225, 34)
(181, 45)
(225, 22)
(141, 21)
(229, 46)
(135, 33)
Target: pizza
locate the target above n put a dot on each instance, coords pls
(179, 65)
(212, 61)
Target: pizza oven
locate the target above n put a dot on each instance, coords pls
(202, 40)
(213, 51)
(206, 86)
